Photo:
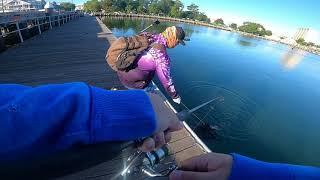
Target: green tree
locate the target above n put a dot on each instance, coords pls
(119, 5)
(142, 6)
(194, 10)
(234, 26)
(92, 6)
(176, 9)
(153, 8)
(301, 41)
(172, 8)
(202, 17)
(106, 5)
(193, 7)
(55, 5)
(268, 33)
(310, 44)
(67, 6)
(165, 6)
(187, 14)
(253, 28)
(219, 21)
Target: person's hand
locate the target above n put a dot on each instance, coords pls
(207, 166)
(167, 121)
(177, 100)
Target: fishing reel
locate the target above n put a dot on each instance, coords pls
(149, 164)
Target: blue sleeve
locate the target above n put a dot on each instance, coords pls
(39, 120)
(247, 168)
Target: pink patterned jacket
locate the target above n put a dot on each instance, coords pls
(152, 61)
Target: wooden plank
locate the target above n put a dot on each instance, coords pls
(188, 153)
(178, 135)
(182, 144)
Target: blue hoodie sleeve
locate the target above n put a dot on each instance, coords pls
(39, 120)
(247, 168)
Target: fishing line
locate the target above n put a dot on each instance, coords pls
(233, 118)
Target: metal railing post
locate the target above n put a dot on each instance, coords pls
(19, 31)
(38, 26)
(50, 22)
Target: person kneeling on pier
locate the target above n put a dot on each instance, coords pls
(138, 58)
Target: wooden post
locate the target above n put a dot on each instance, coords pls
(38, 26)
(18, 28)
(50, 22)
(59, 20)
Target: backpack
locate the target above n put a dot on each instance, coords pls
(123, 53)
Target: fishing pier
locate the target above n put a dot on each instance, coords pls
(73, 48)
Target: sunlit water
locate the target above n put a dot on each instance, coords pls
(271, 107)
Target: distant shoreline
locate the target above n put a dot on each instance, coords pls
(297, 46)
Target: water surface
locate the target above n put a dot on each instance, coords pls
(271, 108)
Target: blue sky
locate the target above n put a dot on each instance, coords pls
(280, 15)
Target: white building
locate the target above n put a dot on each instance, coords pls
(313, 36)
(79, 7)
(21, 5)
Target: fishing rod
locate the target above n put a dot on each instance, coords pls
(183, 115)
(156, 22)
(154, 157)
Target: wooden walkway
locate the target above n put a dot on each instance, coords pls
(76, 52)
(73, 52)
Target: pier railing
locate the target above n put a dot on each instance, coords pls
(15, 30)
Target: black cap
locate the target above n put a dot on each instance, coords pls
(181, 35)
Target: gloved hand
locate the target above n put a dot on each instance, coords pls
(206, 166)
(177, 100)
(167, 122)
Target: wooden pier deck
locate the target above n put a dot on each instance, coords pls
(75, 52)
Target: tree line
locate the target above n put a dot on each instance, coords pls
(248, 27)
(172, 8)
(66, 6)
(302, 42)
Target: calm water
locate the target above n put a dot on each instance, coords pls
(271, 107)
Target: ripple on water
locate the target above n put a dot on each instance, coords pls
(231, 119)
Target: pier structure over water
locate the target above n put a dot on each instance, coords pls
(76, 52)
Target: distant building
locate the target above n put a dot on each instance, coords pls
(21, 5)
(313, 36)
(79, 7)
(48, 6)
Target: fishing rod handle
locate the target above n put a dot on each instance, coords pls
(182, 116)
